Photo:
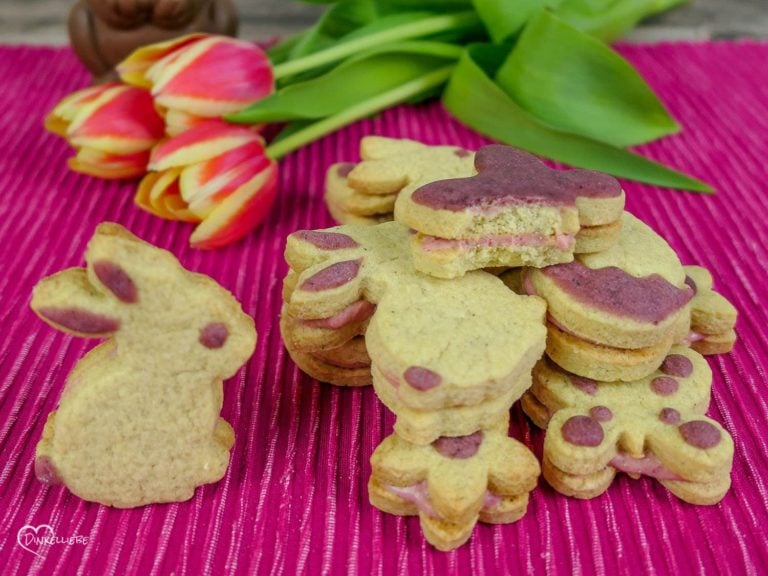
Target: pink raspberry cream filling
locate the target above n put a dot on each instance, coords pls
(649, 465)
(417, 495)
(560, 241)
(355, 312)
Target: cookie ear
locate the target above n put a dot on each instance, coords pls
(68, 302)
(378, 147)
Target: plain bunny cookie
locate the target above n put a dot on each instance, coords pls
(138, 421)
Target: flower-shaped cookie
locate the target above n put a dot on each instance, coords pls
(654, 426)
(453, 482)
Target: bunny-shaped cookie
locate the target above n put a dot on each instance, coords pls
(138, 421)
(104, 32)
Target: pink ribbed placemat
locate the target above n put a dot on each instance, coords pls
(294, 498)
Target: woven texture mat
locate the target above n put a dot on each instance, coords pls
(294, 498)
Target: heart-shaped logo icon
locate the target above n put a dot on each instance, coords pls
(31, 538)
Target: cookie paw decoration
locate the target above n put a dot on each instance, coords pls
(104, 32)
(138, 421)
(654, 426)
(454, 482)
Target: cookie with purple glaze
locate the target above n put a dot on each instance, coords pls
(713, 318)
(454, 482)
(138, 421)
(355, 279)
(512, 211)
(654, 426)
(613, 315)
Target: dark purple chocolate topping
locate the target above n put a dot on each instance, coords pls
(422, 379)
(459, 446)
(333, 276)
(700, 434)
(582, 431)
(507, 175)
(689, 281)
(611, 289)
(669, 416)
(79, 320)
(214, 335)
(586, 385)
(664, 385)
(601, 413)
(677, 365)
(46, 472)
(327, 240)
(117, 281)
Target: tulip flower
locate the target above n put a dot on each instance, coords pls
(112, 126)
(199, 76)
(215, 174)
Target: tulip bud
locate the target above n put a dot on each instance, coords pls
(200, 76)
(215, 174)
(112, 126)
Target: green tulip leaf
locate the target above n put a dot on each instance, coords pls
(475, 100)
(503, 18)
(301, 133)
(575, 83)
(357, 79)
(383, 31)
(338, 21)
(609, 19)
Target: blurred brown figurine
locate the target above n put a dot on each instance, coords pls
(103, 32)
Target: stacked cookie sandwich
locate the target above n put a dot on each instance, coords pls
(447, 363)
(618, 391)
(365, 193)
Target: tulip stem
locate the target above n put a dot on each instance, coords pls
(318, 129)
(418, 29)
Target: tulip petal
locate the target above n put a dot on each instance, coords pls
(206, 141)
(119, 120)
(177, 122)
(212, 177)
(213, 77)
(239, 213)
(110, 166)
(158, 193)
(59, 119)
(133, 69)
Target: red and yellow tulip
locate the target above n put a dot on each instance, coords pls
(112, 126)
(215, 174)
(199, 76)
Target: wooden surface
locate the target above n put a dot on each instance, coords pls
(44, 21)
